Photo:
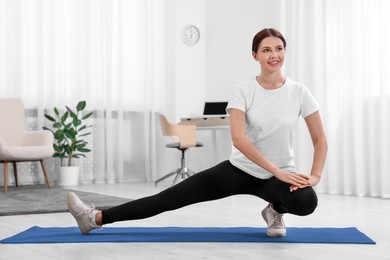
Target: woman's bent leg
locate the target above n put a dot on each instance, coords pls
(300, 202)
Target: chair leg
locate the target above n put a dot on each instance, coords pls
(184, 170)
(5, 176)
(183, 173)
(45, 173)
(15, 174)
(180, 173)
(167, 176)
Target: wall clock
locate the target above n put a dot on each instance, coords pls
(190, 35)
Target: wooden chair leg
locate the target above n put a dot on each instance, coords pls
(44, 172)
(16, 174)
(5, 176)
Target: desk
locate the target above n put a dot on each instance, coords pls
(213, 122)
(209, 123)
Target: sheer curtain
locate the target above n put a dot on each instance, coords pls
(339, 48)
(55, 53)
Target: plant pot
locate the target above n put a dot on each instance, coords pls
(68, 176)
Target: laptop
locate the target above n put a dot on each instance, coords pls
(211, 110)
(215, 109)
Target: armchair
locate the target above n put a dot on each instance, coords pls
(19, 145)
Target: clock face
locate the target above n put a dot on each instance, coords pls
(190, 35)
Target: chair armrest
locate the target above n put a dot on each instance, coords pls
(2, 148)
(187, 135)
(38, 138)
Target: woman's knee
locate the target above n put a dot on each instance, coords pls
(305, 202)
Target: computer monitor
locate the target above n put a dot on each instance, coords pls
(215, 108)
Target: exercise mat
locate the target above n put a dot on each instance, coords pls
(349, 235)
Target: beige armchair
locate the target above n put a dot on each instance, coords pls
(19, 145)
(183, 137)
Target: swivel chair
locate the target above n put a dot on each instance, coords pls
(184, 137)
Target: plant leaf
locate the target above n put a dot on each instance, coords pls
(70, 133)
(57, 125)
(79, 154)
(64, 117)
(87, 115)
(68, 149)
(71, 112)
(76, 122)
(81, 145)
(83, 150)
(59, 135)
(50, 118)
(81, 105)
(45, 128)
(82, 128)
(58, 149)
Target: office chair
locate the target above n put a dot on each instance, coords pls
(184, 137)
(19, 145)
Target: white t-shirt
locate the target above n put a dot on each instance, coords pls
(271, 116)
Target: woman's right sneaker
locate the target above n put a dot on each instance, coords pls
(274, 222)
(84, 214)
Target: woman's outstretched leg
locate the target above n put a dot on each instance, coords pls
(214, 183)
(220, 181)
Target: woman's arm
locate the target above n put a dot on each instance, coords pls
(316, 130)
(317, 134)
(245, 146)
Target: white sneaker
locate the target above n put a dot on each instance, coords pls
(274, 222)
(84, 214)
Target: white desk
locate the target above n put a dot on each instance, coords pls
(215, 121)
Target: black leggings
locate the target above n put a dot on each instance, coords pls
(218, 182)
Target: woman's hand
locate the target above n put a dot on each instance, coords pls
(295, 179)
(313, 180)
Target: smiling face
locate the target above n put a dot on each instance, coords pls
(270, 54)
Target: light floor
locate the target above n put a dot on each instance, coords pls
(369, 215)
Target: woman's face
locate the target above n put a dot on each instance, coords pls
(270, 54)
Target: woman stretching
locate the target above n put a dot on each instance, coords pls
(263, 112)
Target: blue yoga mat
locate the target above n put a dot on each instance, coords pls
(36, 234)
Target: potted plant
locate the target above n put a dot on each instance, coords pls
(69, 131)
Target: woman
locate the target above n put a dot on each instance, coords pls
(263, 112)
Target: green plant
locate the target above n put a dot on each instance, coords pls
(68, 131)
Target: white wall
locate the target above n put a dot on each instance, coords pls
(209, 70)
(185, 65)
(231, 26)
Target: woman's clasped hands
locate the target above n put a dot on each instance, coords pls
(297, 180)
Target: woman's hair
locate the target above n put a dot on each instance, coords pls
(267, 32)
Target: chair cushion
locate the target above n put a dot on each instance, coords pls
(177, 145)
(26, 153)
(199, 144)
(173, 145)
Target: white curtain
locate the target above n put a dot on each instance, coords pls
(340, 49)
(107, 52)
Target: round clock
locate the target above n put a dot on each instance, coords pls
(190, 35)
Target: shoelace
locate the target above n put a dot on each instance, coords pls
(278, 221)
(87, 209)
